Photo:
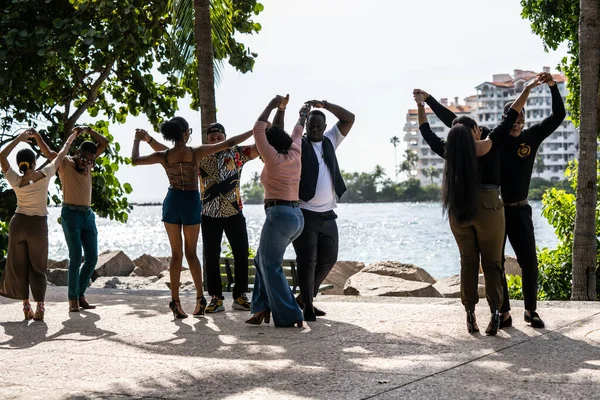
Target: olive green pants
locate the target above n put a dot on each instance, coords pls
(27, 258)
(482, 237)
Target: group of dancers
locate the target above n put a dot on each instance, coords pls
(484, 192)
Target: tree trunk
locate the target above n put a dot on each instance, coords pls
(584, 236)
(205, 58)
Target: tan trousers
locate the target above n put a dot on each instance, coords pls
(483, 236)
(27, 258)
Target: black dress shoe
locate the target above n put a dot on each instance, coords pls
(505, 323)
(319, 313)
(534, 319)
(494, 324)
(309, 314)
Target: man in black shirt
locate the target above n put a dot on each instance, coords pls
(516, 167)
(517, 157)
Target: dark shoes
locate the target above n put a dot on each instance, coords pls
(201, 307)
(259, 317)
(494, 324)
(317, 312)
(505, 323)
(84, 304)
(310, 314)
(175, 307)
(74, 306)
(472, 322)
(534, 319)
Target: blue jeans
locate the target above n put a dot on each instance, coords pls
(80, 232)
(271, 289)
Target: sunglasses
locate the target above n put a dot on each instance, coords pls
(190, 130)
(87, 161)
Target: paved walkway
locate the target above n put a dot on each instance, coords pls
(380, 348)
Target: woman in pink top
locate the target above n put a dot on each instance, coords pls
(284, 221)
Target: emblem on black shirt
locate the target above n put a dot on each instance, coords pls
(524, 150)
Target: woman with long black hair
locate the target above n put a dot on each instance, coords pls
(472, 200)
(27, 258)
(182, 207)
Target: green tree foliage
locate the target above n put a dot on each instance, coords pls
(538, 187)
(253, 191)
(85, 56)
(60, 59)
(555, 265)
(410, 163)
(557, 22)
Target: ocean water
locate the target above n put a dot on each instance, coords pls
(414, 233)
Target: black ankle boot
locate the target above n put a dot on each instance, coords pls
(494, 325)
(471, 322)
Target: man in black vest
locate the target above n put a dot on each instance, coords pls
(321, 184)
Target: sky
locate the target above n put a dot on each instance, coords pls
(364, 56)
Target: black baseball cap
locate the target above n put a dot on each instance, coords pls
(215, 127)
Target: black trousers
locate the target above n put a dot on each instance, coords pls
(519, 230)
(212, 234)
(316, 251)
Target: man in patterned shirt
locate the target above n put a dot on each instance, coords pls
(222, 211)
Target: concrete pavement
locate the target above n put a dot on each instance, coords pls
(366, 348)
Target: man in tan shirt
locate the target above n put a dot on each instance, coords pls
(77, 218)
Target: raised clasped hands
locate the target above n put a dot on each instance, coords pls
(141, 134)
(27, 136)
(277, 101)
(537, 81)
(420, 94)
(304, 110)
(316, 103)
(547, 78)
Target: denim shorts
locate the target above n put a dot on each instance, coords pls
(182, 207)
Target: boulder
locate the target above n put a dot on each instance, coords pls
(339, 274)
(64, 264)
(58, 276)
(396, 269)
(511, 266)
(370, 284)
(186, 282)
(113, 263)
(450, 287)
(146, 265)
(126, 282)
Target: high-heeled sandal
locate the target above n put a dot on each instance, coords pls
(176, 314)
(27, 311)
(472, 322)
(39, 312)
(202, 302)
(259, 317)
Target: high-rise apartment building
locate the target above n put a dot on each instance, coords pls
(486, 107)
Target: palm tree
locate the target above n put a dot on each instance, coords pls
(409, 164)
(583, 284)
(203, 36)
(395, 141)
(193, 43)
(431, 173)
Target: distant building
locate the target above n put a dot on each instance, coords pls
(486, 107)
(428, 160)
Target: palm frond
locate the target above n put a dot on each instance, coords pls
(183, 45)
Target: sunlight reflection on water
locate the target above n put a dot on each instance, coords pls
(408, 232)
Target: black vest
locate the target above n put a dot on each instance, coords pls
(310, 169)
